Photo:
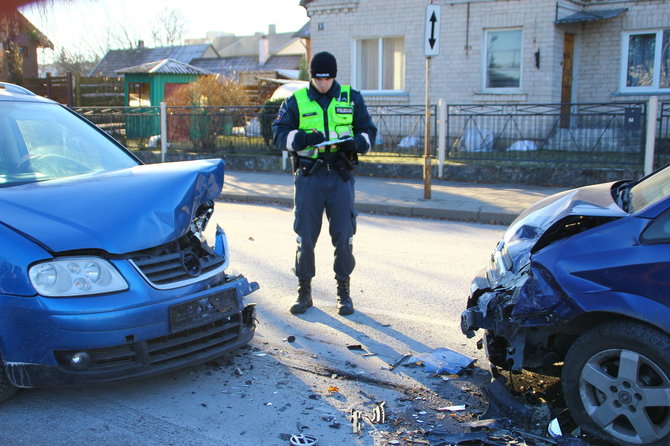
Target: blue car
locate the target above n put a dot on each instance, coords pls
(579, 287)
(109, 269)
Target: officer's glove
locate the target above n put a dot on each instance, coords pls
(303, 139)
(348, 146)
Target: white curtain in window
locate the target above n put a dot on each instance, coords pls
(367, 64)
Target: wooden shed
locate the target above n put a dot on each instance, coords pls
(151, 83)
(147, 85)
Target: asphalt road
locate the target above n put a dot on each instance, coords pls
(300, 375)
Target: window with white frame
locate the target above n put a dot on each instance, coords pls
(646, 61)
(503, 59)
(380, 64)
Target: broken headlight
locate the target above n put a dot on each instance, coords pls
(75, 276)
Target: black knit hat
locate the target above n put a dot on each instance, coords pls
(323, 65)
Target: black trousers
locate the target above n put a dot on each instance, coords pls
(324, 190)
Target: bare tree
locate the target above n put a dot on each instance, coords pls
(67, 62)
(169, 28)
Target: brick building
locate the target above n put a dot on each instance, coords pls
(498, 51)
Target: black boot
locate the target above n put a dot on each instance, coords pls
(304, 300)
(344, 304)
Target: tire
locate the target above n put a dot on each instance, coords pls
(621, 405)
(7, 390)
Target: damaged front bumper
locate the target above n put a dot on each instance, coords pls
(524, 322)
(78, 349)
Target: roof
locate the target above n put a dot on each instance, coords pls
(591, 15)
(165, 66)
(231, 66)
(248, 45)
(116, 60)
(26, 27)
(304, 32)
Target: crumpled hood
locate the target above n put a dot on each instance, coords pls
(595, 200)
(118, 212)
(526, 230)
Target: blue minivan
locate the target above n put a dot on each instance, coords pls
(110, 269)
(579, 287)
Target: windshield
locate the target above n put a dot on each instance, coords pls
(649, 190)
(43, 141)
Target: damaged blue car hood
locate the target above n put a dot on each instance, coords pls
(119, 212)
(593, 200)
(523, 234)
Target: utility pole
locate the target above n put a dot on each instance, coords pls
(431, 48)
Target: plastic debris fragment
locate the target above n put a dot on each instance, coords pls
(442, 360)
(378, 414)
(451, 408)
(355, 421)
(303, 440)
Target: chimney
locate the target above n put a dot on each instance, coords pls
(263, 50)
(140, 44)
(272, 29)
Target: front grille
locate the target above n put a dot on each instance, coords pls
(177, 263)
(161, 351)
(201, 339)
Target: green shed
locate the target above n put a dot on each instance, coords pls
(149, 84)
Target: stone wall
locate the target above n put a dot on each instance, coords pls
(539, 176)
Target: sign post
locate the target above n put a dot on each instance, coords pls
(431, 48)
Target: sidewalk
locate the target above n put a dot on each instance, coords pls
(450, 200)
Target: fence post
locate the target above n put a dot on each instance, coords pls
(652, 112)
(163, 131)
(441, 135)
(69, 90)
(49, 95)
(77, 90)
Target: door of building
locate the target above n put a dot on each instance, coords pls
(566, 82)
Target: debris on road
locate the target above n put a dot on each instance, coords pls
(400, 361)
(355, 419)
(378, 414)
(442, 360)
(451, 408)
(303, 440)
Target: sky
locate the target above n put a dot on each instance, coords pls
(88, 26)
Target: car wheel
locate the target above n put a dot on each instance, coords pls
(616, 383)
(6, 388)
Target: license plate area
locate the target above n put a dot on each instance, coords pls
(202, 310)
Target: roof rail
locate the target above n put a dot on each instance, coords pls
(16, 89)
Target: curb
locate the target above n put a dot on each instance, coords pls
(478, 216)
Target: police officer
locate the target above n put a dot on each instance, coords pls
(324, 127)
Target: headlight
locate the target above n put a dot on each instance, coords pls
(75, 276)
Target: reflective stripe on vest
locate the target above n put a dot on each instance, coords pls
(340, 117)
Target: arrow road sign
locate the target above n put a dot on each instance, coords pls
(432, 34)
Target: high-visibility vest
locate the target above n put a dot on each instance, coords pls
(340, 114)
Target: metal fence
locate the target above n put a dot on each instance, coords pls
(590, 134)
(662, 148)
(401, 129)
(602, 134)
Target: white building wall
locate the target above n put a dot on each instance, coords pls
(599, 64)
(457, 72)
